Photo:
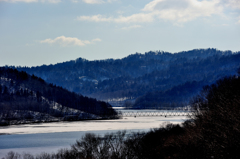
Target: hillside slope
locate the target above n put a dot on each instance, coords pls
(31, 95)
(138, 74)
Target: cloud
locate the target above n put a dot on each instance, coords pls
(51, 1)
(30, 1)
(69, 41)
(177, 11)
(95, 18)
(135, 18)
(131, 27)
(184, 10)
(96, 40)
(93, 1)
(26, 1)
(110, 1)
(97, 1)
(232, 3)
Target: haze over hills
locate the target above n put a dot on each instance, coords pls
(155, 78)
(24, 96)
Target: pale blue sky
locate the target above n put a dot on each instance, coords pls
(36, 32)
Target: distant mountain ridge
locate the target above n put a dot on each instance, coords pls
(139, 74)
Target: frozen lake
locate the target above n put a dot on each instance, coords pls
(49, 137)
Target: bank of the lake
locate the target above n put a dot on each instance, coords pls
(49, 137)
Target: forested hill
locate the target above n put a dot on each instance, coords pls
(139, 74)
(21, 92)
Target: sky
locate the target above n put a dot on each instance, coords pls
(37, 32)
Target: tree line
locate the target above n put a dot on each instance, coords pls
(21, 91)
(213, 131)
(138, 74)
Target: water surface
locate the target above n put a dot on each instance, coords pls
(49, 137)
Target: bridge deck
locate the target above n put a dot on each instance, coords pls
(154, 113)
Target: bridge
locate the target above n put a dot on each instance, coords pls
(154, 113)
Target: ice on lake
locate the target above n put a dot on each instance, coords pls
(49, 137)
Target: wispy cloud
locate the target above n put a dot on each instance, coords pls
(98, 1)
(96, 40)
(131, 27)
(57, 1)
(30, 1)
(177, 11)
(232, 3)
(26, 1)
(69, 41)
(93, 1)
(184, 10)
(74, 1)
(51, 1)
(95, 18)
(135, 18)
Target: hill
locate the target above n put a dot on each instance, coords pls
(213, 131)
(140, 74)
(24, 96)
